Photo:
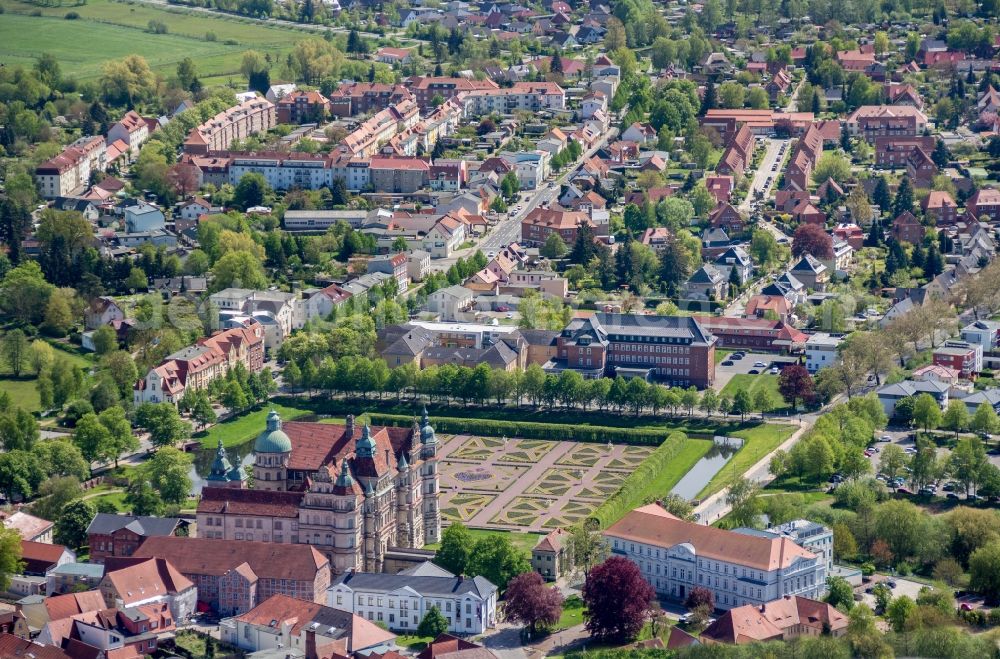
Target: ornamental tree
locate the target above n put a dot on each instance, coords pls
(812, 239)
(530, 602)
(618, 600)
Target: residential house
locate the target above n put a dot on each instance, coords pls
(984, 203)
(15, 646)
(908, 228)
(757, 334)
(450, 303)
(239, 122)
(639, 133)
(871, 121)
(541, 222)
(941, 207)
(131, 582)
(782, 619)
(964, 357)
(552, 556)
(984, 333)
(131, 129)
(706, 283)
(321, 303)
(282, 624)
(735, 258)
(813, 274)
(302, 108)
(196, 366)
(143, 217)
(392, 264)
(727, 218)
(821, 351)
(29, 527)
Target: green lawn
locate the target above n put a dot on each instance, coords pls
(572, 614)
(415, 643)
(523, 541)
(752, 383)
(722, 354)
(23, 393)
(107, 30)
(759, 442)
(243, 428)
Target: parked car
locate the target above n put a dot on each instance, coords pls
(727, 363)
(759, 364)
(774, 370)
(885, 438)
(753, 371)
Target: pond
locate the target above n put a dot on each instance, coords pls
(705, 469)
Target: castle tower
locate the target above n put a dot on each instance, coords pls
(404, 504)
(429, 478)
(219, 474)
(272, 449)
(238, 475)
(347, 503)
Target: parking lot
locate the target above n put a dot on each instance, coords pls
(903, 437)
(729, 367)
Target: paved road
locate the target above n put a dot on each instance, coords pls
(509, 229)
(767, 173)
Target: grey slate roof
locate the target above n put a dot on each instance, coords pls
(105, 523)
(437, 586)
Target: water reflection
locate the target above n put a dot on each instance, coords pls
(705, 469)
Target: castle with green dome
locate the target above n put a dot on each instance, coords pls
(351, 491)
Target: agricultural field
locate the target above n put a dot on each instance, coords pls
(106, 29)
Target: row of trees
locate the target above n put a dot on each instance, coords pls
(483, 385)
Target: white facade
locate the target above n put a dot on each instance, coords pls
(283, 172)
(739, 567)
(401, 601)
(821, 351)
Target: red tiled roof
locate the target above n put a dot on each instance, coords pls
(64, 606)
(196, 556)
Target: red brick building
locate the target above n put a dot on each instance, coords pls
(726, 217)
(984, 202)
(302, 107)
(120, 535)
(541, 222)
(676, 350)
(752, 333)
(908, 228)
(233, 577)
(940, 206)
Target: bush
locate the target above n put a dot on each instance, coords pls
(904, 569)
(157, 27)
(529, 429)
(210, 36)
(867, 569)
(994, 617)
(35, 12)
(71, 16)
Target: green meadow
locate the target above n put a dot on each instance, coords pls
(107, 29)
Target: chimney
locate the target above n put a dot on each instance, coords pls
(350, 426)
(310, 649)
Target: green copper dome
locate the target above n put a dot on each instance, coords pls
(273, 440)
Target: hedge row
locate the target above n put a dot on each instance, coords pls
(636, 487)
(528, 429)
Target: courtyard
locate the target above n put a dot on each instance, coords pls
(529, 485)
